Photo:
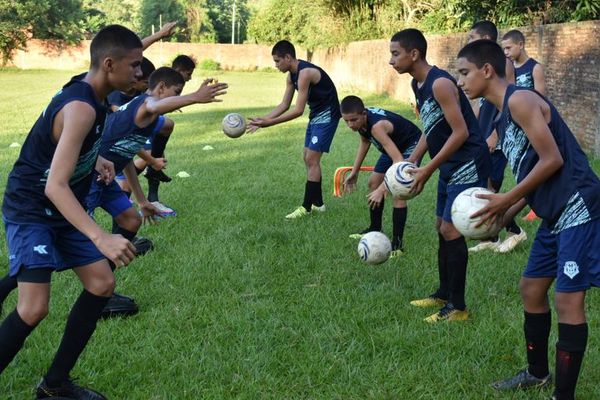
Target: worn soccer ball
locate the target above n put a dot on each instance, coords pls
(398, 181)
(374, 248)
(234, 125)
(467, 204)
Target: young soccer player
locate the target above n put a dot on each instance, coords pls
(486, 114)
(185, 65)
(528, 72)
(316, 88)
(555, 180)
(47, 228)
(396, 138)
(457, 149)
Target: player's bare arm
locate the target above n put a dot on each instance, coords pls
(419, 150)
(167, 30)
(361, 153)
(149, 211)
(539, 79)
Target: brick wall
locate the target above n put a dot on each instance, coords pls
(570, 53)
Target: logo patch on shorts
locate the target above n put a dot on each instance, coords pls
(314, 140)
(571, 269)
(40, 249)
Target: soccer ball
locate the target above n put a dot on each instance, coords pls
(374, 248)
(234, 125)
(465, 205)
(398, 181)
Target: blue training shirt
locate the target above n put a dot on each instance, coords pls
(471, 162)
(524, 74)
(568, 198)
(24, 198)
(118, 98)
(322, 98)
(405, 134)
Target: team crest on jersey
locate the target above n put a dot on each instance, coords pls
(571, 269)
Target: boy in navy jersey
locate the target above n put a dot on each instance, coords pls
(185, 65)
(528, 72)
(555, 180)
(396, 138)
(457, 149)
(315, 88)
(47, 228)
(486, 113)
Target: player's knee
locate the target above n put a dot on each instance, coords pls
(167, 128)
(102, 285)
(33, 313)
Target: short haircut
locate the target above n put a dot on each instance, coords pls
(486, 28)
(282, 48)
(411, 39)
(147, 68)
(352, 104)
(183, 63)
(167, 75)
(514, 35)
(481, 52)
(113, 41)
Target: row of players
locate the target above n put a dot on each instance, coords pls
(540, 148)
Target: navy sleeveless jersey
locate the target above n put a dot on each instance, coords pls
(118, 98)
(122, 138)
(405, 134)
(524, 74)
(471, 162)
(322, 97)
(487, 115)
(568, 198)
(24, 198)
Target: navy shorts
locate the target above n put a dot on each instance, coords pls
(32, 246)
(384, 162)
(571, 256)
(320, 135)
(447, 193)
(110, 198)
(157, 128)
(498, 165)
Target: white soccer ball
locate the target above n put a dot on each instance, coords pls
(234, 125)
(398, 181)
(467, 204)
(374, 248)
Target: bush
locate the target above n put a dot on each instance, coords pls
(209, 65)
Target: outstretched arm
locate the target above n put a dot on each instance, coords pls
(167, 30)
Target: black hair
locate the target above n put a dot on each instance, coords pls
(514, 35)
(167, 75)
(411, 39)
(486, 28)
(113, 41)
(147, 68)
(352, 104)
(183, 63)
(282, 48)
(481, 52)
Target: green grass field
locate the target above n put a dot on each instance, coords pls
(238, 303)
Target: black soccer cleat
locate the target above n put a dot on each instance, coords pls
(153, 174)
(523, 380)
(142, 245)
(119, 306)
(68, 390)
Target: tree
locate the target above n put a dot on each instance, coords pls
(100, 13)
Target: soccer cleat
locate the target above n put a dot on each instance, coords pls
(522, 380)
(511, 242)
(359, 235)
(142, 245)
(448, 313)
(397, 253)
(320, 209)
(151, 173)
(485, 245)
(164, 210)
(430, 301)
(67, 390)
(297, 213)
(119, 306)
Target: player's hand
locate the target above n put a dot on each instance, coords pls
(105, 169)
(421, 176)
(350, 183)
(116, 248)
(495, 210)
(492, 141)
(167, 29)
(150, 214)
(209, 90)
(159, 163)
(375, 197)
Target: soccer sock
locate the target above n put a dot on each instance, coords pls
(316, 194)
(537, 329)
(457, 257)
(308, 196)
(570, 348)
(7, 285)
(513, 227)
(13, 333)
(399, 217)
(442, 292)
(153, 185)
(125, 233)
(158, 145)
(376, 215)
(81, 324)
